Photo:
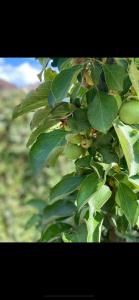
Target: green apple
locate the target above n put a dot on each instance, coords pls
(129, 112)
(74, 138)
(86, 143)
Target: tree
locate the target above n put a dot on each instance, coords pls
(88, 110)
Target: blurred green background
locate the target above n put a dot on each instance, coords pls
(17, 182)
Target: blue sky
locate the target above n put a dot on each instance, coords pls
(18, 60)
(20, 71)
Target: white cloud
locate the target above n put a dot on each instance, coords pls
(2, 60)
(20, 75)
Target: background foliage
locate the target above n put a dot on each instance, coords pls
(17, 183)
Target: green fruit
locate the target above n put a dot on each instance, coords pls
(129, 112)
(86, 143)
(72, 151)
(74, 138)
(67, 128)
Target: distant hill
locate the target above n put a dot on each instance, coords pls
(5, 85)
(30, 87)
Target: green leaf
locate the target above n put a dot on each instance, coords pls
(127, 200)
(97, 168)
(51, 100)
(49, 74)
(90, 95)
(98, 221)
(136, 60)
(103, 139)
(61, 62)
(33, 100)
(135, 181)
(62, 109)
(46, 118)
(53, 231)
(77, 91)
(54, 62)
(33, 221)
(122, 62)
(94, 226)
(43, 61)
(65, 239)
(127, 85)
(40, 75)
(96, 72)
(128, 139)
(100, 197)
(66, 186)
(122, 224)
(59, 209)
(83, 163)
(102, 111)
(118, 100)
(44, 125)
(108, 154)
(51, 161)
(79, 121)
(79, 235)
(134, 76)
(45, 144)
(64, 63)
(37, 203)
(63, 81)
(38, 116)
(114, 76)
(88, 186)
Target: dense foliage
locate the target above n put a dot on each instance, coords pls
(18, 187)
(87, 109)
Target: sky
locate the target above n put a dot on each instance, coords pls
(20, 71)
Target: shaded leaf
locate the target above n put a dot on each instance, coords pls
(90, 95)
(64, 63)
(102, 111)
(108, 154)
(37, 203)
(88, 186)
(38, 116)
(79, 121)
(83, 163)
(77, 236)
(63, 81)
(127, 200)
(33, 221)
(53, 231)
(44, 125)
(97, 168)
(59, 209)
(33, 100)
(96, 72)
(114, 76)
(43, 147)
(51, 161)
(62, 109)
(134, 76)
(66, 186)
